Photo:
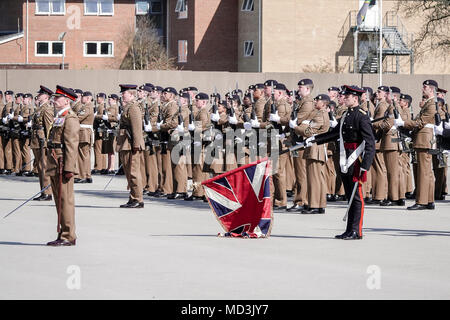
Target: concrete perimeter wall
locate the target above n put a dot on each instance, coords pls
(108, 80)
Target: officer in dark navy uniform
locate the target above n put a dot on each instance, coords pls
(357, 150)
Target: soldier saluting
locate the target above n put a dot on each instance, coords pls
(62, 164)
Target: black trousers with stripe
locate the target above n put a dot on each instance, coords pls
(356, 212)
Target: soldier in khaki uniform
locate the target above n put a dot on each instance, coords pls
(41, 124)
(315, 155)
(439, 169)
(130, 145)
(142, 100)
(86, 117)
(16, 124)
(305, 110)
(423, 128)
(153, 159)
(177, 152)
(7, 114)
(168, 122)
(378, 169)
(99, 157)
(202, 123)
(391, 152)
(62, 164)
(111, 119)
(405, 158)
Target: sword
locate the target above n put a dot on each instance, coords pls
(351, 200)
(27, 201)
(112, 178)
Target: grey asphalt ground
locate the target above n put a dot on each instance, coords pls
(169, 250)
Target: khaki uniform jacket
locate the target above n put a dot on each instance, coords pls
(389, 132)
(368, 106)
(305, 109)
(169, 112)
(423, 135)
(25, 113)
(76, 106)
(379, 126)
(65, 130)
(202, 119)
(259, 108)
(42, 123)
(130, 133)
(340, 109)
(319, 123)
(86, 117)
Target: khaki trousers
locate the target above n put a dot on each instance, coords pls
(67, 207)
(7, 151)
(99, 158)
(407, 173)
(379, 180)
(44, 180)
(132, 167)
(300, 179)
(425, 177)
(394, 177)
(279, 181)
(317, 186)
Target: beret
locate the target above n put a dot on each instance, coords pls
(215, 95)
(322, 97)
(201, 96)
(171, 90)
(158, 88)
(280, 86)
(9, 92)
(383, 88)
(269, 83)
(113, 96)
(125, 87)
(406, 97)
(101, 95)
(333, 89)
(223, 102)
(148, 84)
(332, 104)
(184, 95)
(192, 89)
(305, 82)
(395, 90)
(431, 83)
(147, 88)
(65, 92)
(259, 86)
(45, 90)
(78, 91)
(87, 94)
(368, 89)
(28, 95)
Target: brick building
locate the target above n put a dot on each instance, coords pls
(209, 35)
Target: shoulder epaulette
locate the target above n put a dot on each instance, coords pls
(362, 111)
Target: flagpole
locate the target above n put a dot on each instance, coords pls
(380, 61)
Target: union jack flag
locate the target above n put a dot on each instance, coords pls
(240, 200)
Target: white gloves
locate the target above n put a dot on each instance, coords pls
(275, 117)
(446, 125)
(215, 117)
(105, 117)
(158, 125)
(148, 127)
(307, 122)
(333, 123)
(10, 116)
(118, 117)
(180, 129)
(238, 140)
(232, 120)
(5, 119)
(438, 130)
(191, 127)
(292, 123)
(281, 136)
(309, 141)
(399, 122)
(29, 124)
(255, 123)
(20, 119)
(247, 126)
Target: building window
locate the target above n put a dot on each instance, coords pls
(99, 7)
(99, 49)
(248, 48)
(53, 7)
(144, 7)
(49, 48)
(248, 5)
(182, 9)
(182, 51)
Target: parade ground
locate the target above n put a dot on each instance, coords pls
(170, 250)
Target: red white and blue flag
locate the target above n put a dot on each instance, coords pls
(240, 200)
